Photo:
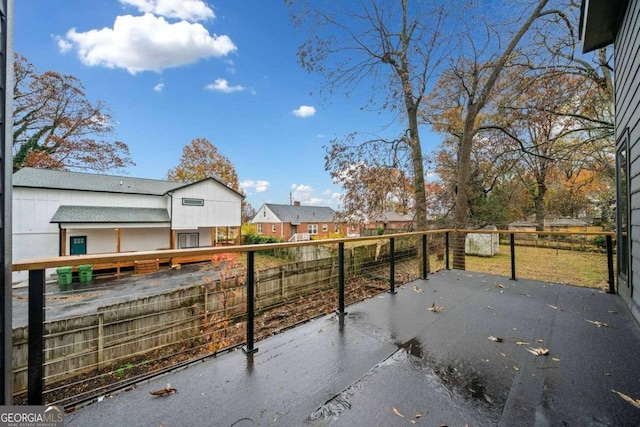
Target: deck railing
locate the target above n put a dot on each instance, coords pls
(240, 300)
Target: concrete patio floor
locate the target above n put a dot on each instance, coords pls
(393, 362)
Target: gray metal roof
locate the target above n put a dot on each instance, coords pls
(298, 214)
(108, 214)
(64, 180)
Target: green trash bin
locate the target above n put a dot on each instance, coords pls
(85, 273)
(64, 277)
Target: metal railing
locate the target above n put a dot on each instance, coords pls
(388, 261)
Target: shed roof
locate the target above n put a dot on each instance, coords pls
(65, 180)
(109, 214)
(298, 214)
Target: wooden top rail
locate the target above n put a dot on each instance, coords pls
(75, 260)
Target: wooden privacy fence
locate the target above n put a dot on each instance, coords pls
(105, 339)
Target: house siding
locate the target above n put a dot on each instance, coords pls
(627, 95)
(222, 206)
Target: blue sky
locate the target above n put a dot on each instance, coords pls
(175, 70)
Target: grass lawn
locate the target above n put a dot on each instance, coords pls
(579, 268)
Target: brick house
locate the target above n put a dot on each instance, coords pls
(296, 222)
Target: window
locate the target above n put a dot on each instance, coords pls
(192, 202)
(336, 228)
(623, 208)
(188, 240)
(273, 228)
(313, 229)
(259, 228)
(325, 228)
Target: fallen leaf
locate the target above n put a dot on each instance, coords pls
(395, 411)
(503, 355)
(634, 402)
(554, 307)
(538, 351)
(417, 288)
(435, 308)
(612, 312)
(555, 359)
(164, 391)
(522, 343)
(516, 368)
(496, 339)
(598, 324)
(539, 340)
(498, 285)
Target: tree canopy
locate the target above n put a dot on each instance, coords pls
(55, 125)
(201, 159)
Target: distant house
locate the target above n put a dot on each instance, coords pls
(617, 21)
(390, 220)
(70, 213)
(296, 222)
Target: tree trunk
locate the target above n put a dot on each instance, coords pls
(461, 214)
(539, 203)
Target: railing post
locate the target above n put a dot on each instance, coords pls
(425, 257)
(612, 282)
(341, 278)
(35, 369)
(446, 250)
(512, 243)
(392, 265)
(248, 349)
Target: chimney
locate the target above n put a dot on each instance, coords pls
(296, 203)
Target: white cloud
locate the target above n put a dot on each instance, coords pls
(260, 186)
(301, 193)
(230, 66)
(304, 111)
(159, 87)
(221, 85)
(190, 10)
(305, 194)
(146, 43)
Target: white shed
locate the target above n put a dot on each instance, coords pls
(59, 213)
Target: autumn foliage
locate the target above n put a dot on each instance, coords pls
(201, 159)
(55, 125)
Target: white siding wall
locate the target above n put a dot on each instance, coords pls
(35, 237)
(627, 66)
(144, 239)
(222, 207)
(265, 214)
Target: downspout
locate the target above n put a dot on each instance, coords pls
(60, 239)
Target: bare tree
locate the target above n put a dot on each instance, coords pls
(393, 46)
(479, 71)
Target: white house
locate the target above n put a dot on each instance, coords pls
(70, 213)
(618, 21)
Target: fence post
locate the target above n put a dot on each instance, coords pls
(249, 349)
(425, 257)
(612, 282)
(35, 369)
(100, 339)
(446, 250)
(512, 243)
(392, 265)
(341, 278)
